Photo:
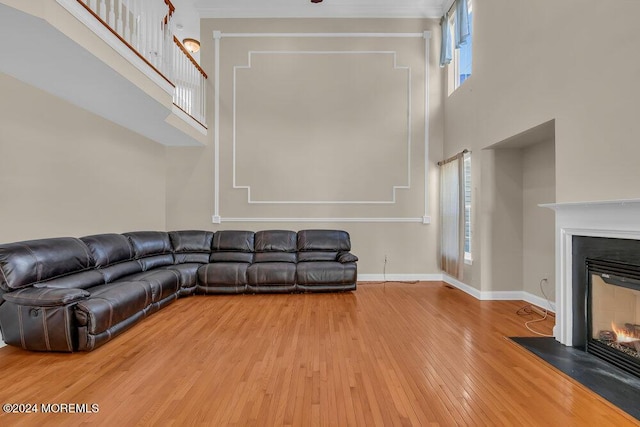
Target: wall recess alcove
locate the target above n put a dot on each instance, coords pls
(518, 174)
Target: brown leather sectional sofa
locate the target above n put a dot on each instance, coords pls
(68, 294)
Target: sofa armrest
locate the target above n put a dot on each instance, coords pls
(346, 257)
(46, 297)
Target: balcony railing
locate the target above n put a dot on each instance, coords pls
(145, 27)
(189, 79)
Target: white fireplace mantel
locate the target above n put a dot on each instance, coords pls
(611, 218)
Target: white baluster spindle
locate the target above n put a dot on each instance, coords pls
(147, 27)
(112, 14)
(103, 10)
(119, 20)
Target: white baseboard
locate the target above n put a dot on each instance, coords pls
(500, 295)
(481, 295)
(462, 286)
(540, 302)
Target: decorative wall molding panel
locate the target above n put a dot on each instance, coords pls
(363, 193)
(218, 220)
(301, 57)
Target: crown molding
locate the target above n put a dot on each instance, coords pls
(324, 11)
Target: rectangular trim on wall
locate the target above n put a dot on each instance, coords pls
(394, 188)
(217, 218)
(353, 219)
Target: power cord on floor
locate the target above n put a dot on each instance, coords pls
(527, 310)
(384, 275)
(384, 270)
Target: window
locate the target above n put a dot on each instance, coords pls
(467, 208)
(461, 64)
(463, 55)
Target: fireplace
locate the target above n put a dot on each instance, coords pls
(598, 244)
(606, 299)
(613, 312)
(580, 226)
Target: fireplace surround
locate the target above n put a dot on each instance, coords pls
(605, 230)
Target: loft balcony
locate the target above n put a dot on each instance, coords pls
(116, 58)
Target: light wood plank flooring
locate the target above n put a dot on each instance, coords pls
(386, 354)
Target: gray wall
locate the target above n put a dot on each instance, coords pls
(67, 172)
(536, 61)
(312, 128)
(538, 186)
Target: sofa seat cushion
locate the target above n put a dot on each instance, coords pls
(325, 273)
(223, 273)
(111, 304)
(222, 277)
(162, 282)
(271, 273)
(187, 273)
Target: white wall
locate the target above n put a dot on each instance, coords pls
(67, 172)
(535, 61)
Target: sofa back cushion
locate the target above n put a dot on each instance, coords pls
(108, 249)
(26, 263)
(114, 255)
(191, 246)
(275, 246)
(151, 248)
(232, 246)
(322, 245)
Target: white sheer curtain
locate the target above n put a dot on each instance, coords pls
(452, 216)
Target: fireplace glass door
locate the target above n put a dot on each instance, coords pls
(613, 313)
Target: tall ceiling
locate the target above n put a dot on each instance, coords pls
(325, 9)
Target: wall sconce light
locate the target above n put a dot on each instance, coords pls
(192, 45)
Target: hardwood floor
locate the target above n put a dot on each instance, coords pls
(386, 354)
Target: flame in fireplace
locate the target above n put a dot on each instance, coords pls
(624, 335)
